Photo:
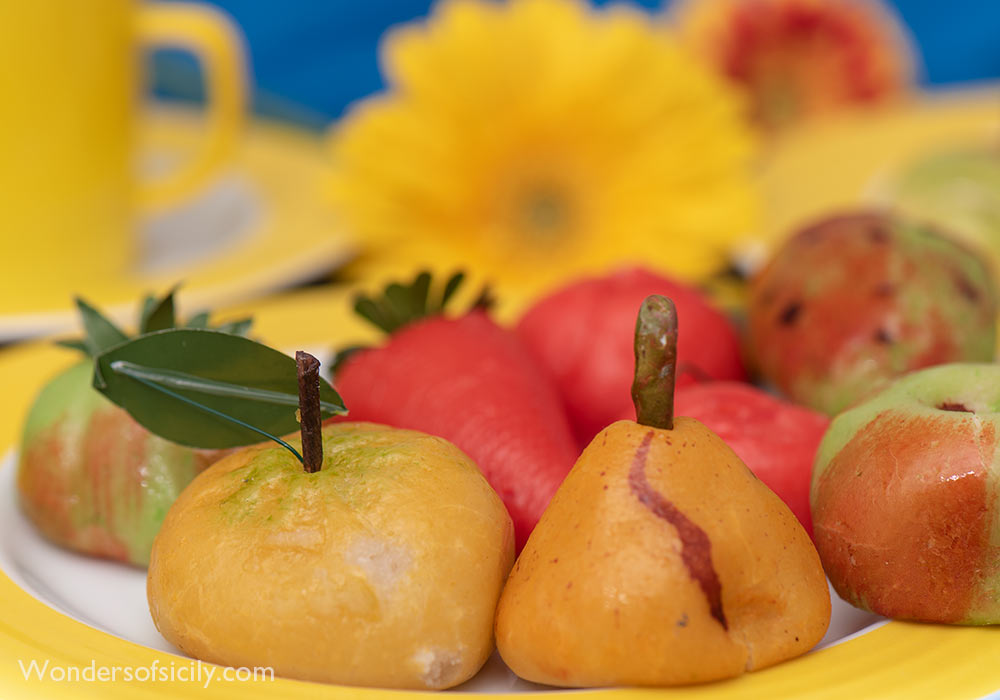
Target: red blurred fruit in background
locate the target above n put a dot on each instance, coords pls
(775, 438)
(582, 334)
(799, 59)
(851, 302)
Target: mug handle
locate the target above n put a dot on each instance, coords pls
(210, 36)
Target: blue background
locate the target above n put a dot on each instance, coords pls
(311, 58)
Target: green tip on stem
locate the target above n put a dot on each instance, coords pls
(655, 362)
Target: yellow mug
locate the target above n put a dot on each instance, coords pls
(69, 78)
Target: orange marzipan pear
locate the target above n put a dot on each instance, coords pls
(661, 560)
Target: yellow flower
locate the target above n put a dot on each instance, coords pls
(535, 140)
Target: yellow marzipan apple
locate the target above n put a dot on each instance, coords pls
(383, 568)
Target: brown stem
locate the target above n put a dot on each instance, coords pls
(310, 418)
(655, 362)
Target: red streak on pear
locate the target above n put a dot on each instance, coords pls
(696, 548)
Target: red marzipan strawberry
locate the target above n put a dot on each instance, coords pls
(583, 335)
(469, 381)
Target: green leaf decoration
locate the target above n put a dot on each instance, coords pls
(421, 289)
(74, 344)
(159, 315)
(401, 304)
(102, 334)
(199, 320)
(373, 313)
(146, 308)
(240, 327)
(451, 286)
(205, 388)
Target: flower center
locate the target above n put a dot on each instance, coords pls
(543, 213)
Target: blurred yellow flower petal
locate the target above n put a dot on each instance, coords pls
(533, 140)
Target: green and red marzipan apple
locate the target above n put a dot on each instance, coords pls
(90, 478)
(582, 335)
(853, 301)
(904, 498)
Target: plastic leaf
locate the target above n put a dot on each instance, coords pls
(205, 388)
(159, 315)
(400, 304)
(372, 312)
(450, 287)
(146, 308)
(74, 344)
(199, 320)
(101, 334)
(239, 327)
(421, 290)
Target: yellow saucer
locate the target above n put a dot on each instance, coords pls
(260, 227)
(896, 660)
(841, 163)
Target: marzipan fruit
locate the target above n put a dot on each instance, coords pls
(661, 560)
(382, 568)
